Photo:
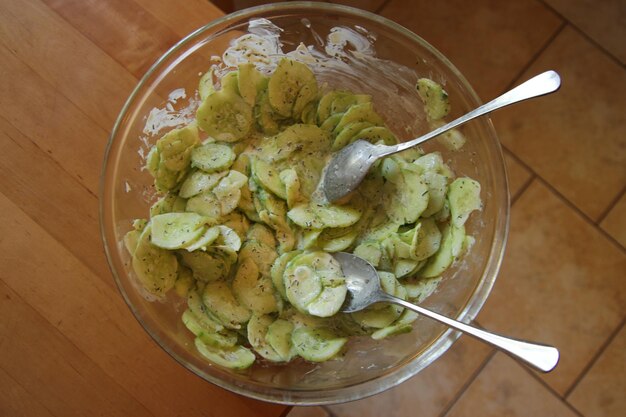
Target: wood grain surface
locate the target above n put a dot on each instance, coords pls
(69, 346)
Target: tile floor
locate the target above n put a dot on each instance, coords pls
(564, 273)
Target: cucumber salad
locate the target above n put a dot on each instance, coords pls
(241, 233)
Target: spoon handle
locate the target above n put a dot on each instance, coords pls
(541, 357)
(541, 84)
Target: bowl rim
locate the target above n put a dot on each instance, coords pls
(439, 345)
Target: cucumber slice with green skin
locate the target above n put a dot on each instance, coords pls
(237, 357)
(316, 345)
(225, 339)
(251, 81)
(418, 289)
(155, 268)
(289, 177)
(205, 85)
(228, 238)
(314, 284)
(329, 302)
(306, 96)
(268, 177)
(175, 147)
(359, 113)
(230, 83)
(199, 182)
(464, 197)
(331, 122)
(426, 240)
(252, 290)
(324, 107)
(285, 85)
(406, 267)
(279, 338)
(177, 230)
(376, 134)
(208, 266)
(262, 255)
(400, 326)
(208, 237)
(258, 327)
(451, 244)
(435, 98)
(264, 115)
(407, 194)
(348, 134)
(205, 204)
(261, 234)
(437, 187)
(320, 217)
(278, 269)
(225, 116)
(309, 113)
(212, 157)
(170, 203)
(370, 251)
(433, 162)
(131, 238)
(220, 301)
(203, 316)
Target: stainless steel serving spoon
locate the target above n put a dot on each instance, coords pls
(348, 167)
(364, 290)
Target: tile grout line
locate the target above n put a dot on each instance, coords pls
(585, 35)
(523, 188)
(534, 375)
(467, 384)
(565, 200)
(611, 205)
(536, 56)
(381, 7)
(595, 358)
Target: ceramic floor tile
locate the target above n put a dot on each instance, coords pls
(561, 283)
(308, 412)
(518, 175)
(601, 392)
(604, 21)
(503, 388)
(429, 392)
(615, 222)
(489, 41)
(576, 138)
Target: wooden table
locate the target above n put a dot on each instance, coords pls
(69, 346)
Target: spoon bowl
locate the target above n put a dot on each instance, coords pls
(348, 167)
(364, 290)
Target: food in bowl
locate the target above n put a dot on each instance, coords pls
(243, 233)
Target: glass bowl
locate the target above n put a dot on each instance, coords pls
(384, 60)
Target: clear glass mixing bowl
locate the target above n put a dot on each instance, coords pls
(385, 61)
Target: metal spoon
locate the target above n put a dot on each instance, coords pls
(364, 290)
(348, 167)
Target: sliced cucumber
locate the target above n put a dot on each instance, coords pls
(279, 338)
(285, 85)
(251, 81)
(219, 299)
(451, 244)
(267, 177)
(434, 97)
(224, 339)
(205, 86)
(464, 197)
(289, 177)
(319, 217)
(208, 237)
(203, 316)
(177, 230)
(237, 357)
(316, 345)
(155, 268)
(253, 290)
(208, 266)
(199, 182)
(278, 269)
(359, 113)
(258, 327)
(212, 157)
(329, 302)
(225, 116)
